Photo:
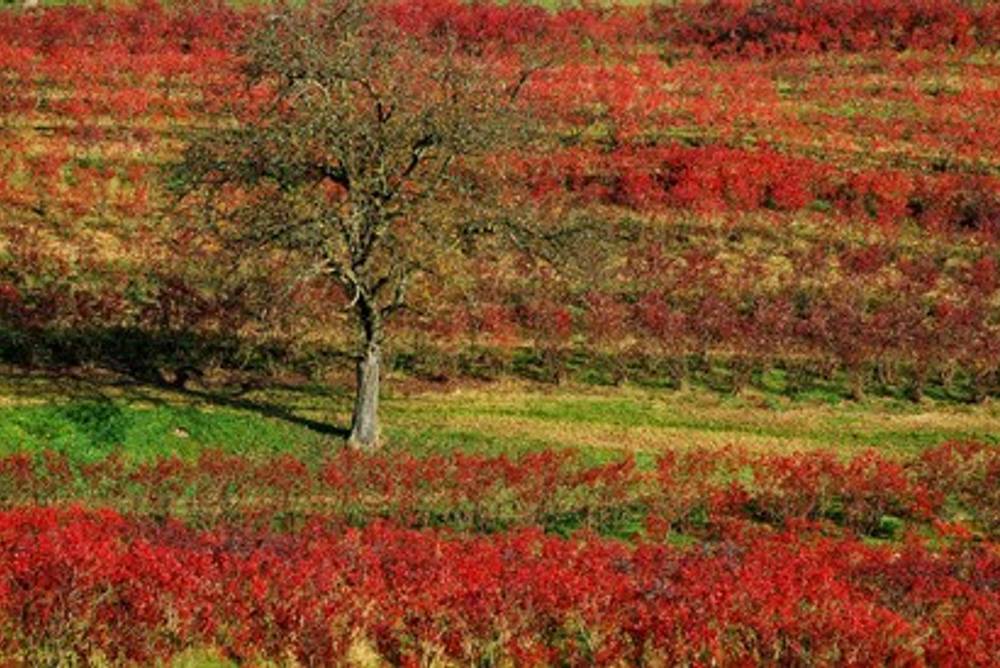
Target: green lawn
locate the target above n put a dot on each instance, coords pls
(87, 420)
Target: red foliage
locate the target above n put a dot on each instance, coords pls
(969, 474)
(658, 131)
(717, 178)
(76, 583)
(696, 491)
(756, 28)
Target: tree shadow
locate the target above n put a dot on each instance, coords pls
(275, 411)
(45, 384)
(87, 364)
(97, 388)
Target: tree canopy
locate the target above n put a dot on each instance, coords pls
(366, 151)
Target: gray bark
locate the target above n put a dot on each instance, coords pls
(364, 425)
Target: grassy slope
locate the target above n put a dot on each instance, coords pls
(88, 419)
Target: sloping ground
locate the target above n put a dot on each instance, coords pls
(730, 155)
(87, 419)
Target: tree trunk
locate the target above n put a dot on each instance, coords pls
(856, 383)
(918, 382)
(364, 424)
(978, 386)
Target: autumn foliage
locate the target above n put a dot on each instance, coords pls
(707, 128)
(264, 559)
(798, 189)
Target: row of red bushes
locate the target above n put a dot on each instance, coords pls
(718, 178)
(52, 292)
(750, 27)
(920, 321)
(695, 491)
(884, 324)
(704, 179)
(86, 586)
(141, 27)
(758, 27)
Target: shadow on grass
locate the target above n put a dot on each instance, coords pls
(102, 389)
(267, 410)
(150, 367)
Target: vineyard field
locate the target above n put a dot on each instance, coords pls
(435, 333)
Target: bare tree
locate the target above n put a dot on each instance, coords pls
(364, 158)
